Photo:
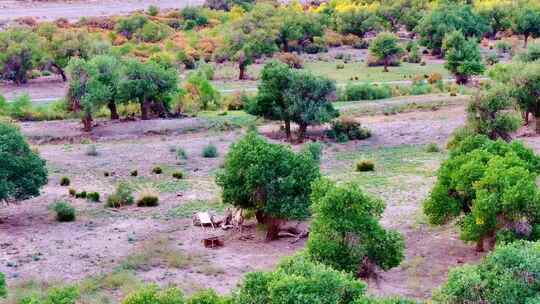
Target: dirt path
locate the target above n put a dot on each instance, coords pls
(73, 10)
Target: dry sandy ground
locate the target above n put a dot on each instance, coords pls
(73, 10)
(34, 245)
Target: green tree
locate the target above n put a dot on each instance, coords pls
(463, 58)
(497, 14)
(385, 47)
(309, 100)
(269, 179)
(524, 81)
(297, 26)
(357, 22)
(510, 274)
(252, 36)
(93, 85)
(447, 18)
(21, 51)
(526, 22)
(490, 183)
(488, 113)
(346, 234)
(22, 171)
(301, 281)
(149, 84)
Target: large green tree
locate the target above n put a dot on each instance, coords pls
(22, 171)
(492, 184)
(447, 18)
(346, 234)
(21, 51)
(524, 83)
(357, 22)
(149, 84)
(526, 21)
(385, 47)
(269, 179)
(463, 58)
(297, 26)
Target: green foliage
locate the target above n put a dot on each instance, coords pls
(269, 178)
(64, 212)
(488, 114)
(181, 154)
(3, 288)
(526, 21)
(207, 296)
(201, 92)
(93, 196)
(365, 165)
(64, 181)
(123, 196)
(152, 294)
(524, 84)
(432, 148)
(357, 22)
(148, 201)
(346, 234)
(22, 171)
(81, 194)
(385, 47)
(210, 151)
(490, 183)
(301, 281)
(532, 53)
(463, 58)
(130, 25)
(298, 26)
(157, 170)
(366, 91)
(62, 295)
(178, 175)
(447, 18)
(153, 32)
(344, 129)
(510, 274)
(153, 10)
(20, 52)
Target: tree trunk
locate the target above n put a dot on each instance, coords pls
(274, 227)
(260, 216)
(526, 41)
(285, 45)
(480, 245)
(145, 109)
(537, 124)
(114, 112)
(386, 65)
(302, 132)
(525, 115)
(462, 79)
(288, 129)
(87, 122)
(60, 71)
(242, 74)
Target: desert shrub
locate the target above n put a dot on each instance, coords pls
(148, 198)
(346, 234)
(194, 14)
(413, 55)
(93, 196)
(91, 150)
(489, 184)
(3, 288)
(365, 165)
(237, 101)
(81, 194)
(351, 39)
(299, 280)
(130, 25)
(134, 173)
(292, 60)
(280, 178)
(200, 93)
(347, 128)
(64, 181)
(22, 171)
(315, 48)
(531, 54)
(181, 154)
(152, 294)
(64, 212)
(153, 32)
(421, 88)
(503, 46)
(153, 10)
(61, 295)
(434, 78)
(210, 151)
(207, 296)
(178, 175)
(491, 59)
(340, 66)
(157, 170)
(123, 196)
(72, 192)
(361, 45)
(432, 148)
(366, 91)
(510, 274)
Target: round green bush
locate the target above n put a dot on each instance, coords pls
(123, 196)
(72, 192)
(64, 212)
(178, 175)
(365, 165)
(157, 170)
(93, 196)
(64, 181)
(81, 194)
(210, 151)
(432, 148)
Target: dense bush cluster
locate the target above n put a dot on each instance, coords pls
(64, 212)
(345, 128)
(492, 186)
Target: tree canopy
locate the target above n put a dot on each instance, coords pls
(385, 47)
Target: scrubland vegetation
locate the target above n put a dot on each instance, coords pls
(358, 151)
